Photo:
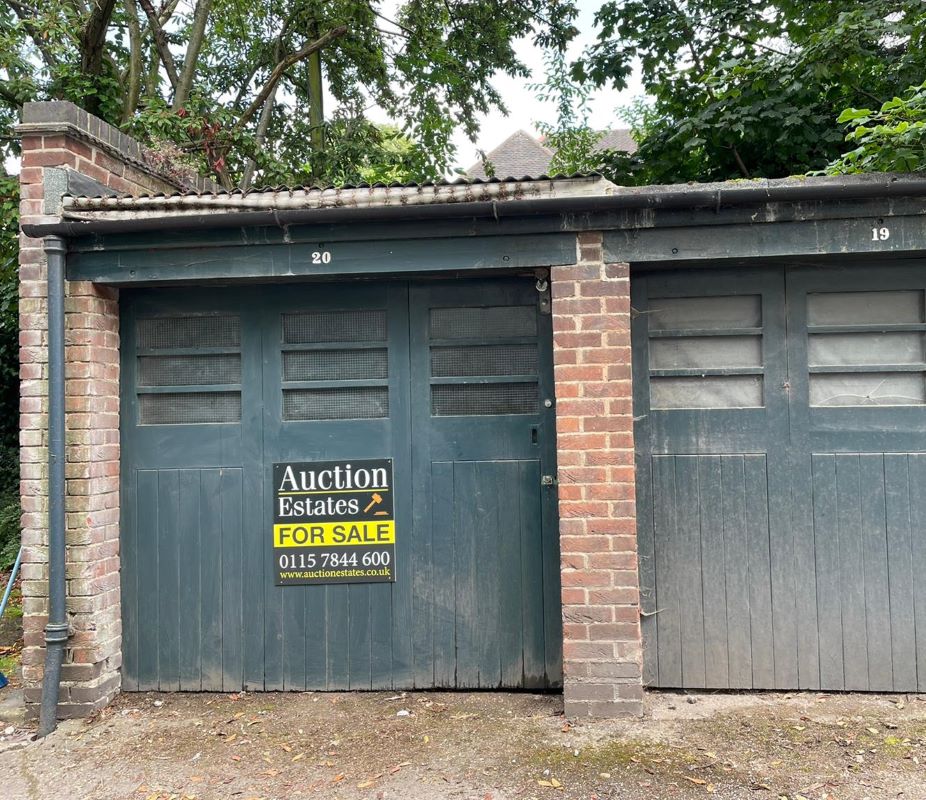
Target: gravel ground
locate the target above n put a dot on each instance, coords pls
(486, 746)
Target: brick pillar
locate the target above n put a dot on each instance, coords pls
(60, 136)
(602, 649)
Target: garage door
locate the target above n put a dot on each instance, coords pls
(781, 467)
(447, 379)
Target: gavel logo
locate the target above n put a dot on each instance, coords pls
(377, 499)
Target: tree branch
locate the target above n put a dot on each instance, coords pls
(160, 41)
(93, 37)
(27, 18)
(133, 78)
(197, 34)
(280, 68)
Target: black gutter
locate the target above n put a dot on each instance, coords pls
(690, 196)
(56, 631)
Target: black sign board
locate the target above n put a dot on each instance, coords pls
(333, 522)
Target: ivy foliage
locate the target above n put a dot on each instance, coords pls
(752, 88)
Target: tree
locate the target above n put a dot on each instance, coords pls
(241, 86)
(743, 88)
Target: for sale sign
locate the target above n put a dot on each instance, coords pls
(333, 522)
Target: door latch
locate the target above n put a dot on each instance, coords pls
(548, 480)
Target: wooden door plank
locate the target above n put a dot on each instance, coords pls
(231, 506)
(443, 523)
(805, 573)
(467, 622)
(710, 498)
(294, 636)
(900, 569)
(851, 572)
(191, 565)
(510, 590)
(210, 525)
(917, 473)
(687, 571)
(760, 572)
(168, 596)
(361, 637)
(381, 636)
(736, 553)
(337, 629)
(532, 547)
(877, 580)
(829, 594)
(148, 608)
(129, 577)
(487, 573)
(665, 536)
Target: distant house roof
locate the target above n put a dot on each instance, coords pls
(522, 155)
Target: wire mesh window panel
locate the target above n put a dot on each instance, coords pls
(865, 308)
(864, 349)
(161, 333)
(188, 370)
(360, 402)
(448, 400)
(714, 391)
(494, 322)
(706, 352)
(711, 313)
(189, 408)
(493, 359)
(334, 326)
(868, 389)
(322, 365)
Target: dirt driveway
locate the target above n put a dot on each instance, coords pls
(482, 746)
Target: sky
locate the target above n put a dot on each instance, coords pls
(525, 110)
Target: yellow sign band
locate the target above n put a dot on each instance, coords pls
(332, 534)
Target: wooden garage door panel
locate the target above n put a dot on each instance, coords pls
(797, 565)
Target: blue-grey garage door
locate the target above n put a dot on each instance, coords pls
(448, 379)
(781, 468)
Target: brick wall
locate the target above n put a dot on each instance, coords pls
(59, 135)
(602, 648)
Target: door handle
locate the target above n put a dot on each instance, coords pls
(548, 480)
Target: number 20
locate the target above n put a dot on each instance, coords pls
(323, 257)
(880, 234)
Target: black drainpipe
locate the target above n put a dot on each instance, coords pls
(56, 631)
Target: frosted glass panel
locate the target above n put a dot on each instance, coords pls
(715, 391)
(863, 349)
(673, 313)
(864, 308)
(867, 389)
(706, 352)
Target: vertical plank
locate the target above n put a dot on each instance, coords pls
(129, 578)
(337, 630)
(829, 592)
(687, 555)
(543, 516)
(649, 600)
(665, 538)
(443, 522)
(900, 569)
(148, 607)
(877, 582)
(210, 526)
(230, 500)
(736, 561)
(360, 637)
(294, 638)
(429, 523)
(805, 573)
(466, 620)
(510, 533)
(168, 597)
(191, 565)
(486, 535)
(851, 572)
(917, 476)
(710, 499)
(785, 624)
(315, 600)
(760, 572)
(381, 636)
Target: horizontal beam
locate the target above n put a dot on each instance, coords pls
(875, 235)
(322, 259)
